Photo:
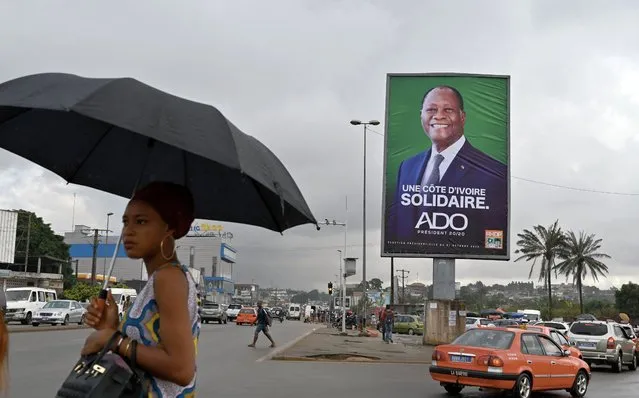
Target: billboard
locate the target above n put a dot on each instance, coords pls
(446, 166)
(204, 229)
(227, 253)
(8, 232)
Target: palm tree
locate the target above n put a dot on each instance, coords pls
(543, 244)
(581, 257)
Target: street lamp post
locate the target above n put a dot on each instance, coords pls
(342, 278)
(191, 254)
(365, 124)
(106, 242)
(342, 283)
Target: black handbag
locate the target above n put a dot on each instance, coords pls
(104, 375)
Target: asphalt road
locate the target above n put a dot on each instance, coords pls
(39, 362)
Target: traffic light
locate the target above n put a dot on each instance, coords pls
(330, 288)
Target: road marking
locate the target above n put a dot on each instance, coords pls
(286, 346)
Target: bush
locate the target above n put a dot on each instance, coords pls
(82, 292)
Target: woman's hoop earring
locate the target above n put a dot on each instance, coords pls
(162, 251)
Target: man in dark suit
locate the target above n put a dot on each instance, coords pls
(451, 198)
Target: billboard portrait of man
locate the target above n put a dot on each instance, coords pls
(450, 198)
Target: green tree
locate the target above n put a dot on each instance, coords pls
(376, 284)
(313, 295)
(543, 244)
(581, 257)
(120, 285)
(627, 300)
(300, 298)
(81, 291)
(601, 309)
(42, 241)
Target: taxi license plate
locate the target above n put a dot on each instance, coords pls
(45, 318)
(460, 358)
(587, 345)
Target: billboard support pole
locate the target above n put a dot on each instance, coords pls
(443, 279)
(392, 286)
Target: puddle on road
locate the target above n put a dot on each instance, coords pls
(344, 357)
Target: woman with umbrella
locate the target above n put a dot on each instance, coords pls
(163, 320)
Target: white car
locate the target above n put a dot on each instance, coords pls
(472, 322)
(232, 311)
(561, 327)
(59, 312)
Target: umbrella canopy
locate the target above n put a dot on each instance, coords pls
(118, 134)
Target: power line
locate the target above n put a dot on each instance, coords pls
(548, 184)
(575, 188)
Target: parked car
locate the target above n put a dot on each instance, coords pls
(59, 312)
(408, 324)
(604, 343)
(213, 312)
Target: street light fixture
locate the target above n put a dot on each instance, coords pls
(373, 122)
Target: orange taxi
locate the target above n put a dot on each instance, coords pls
(246, 316)
(517, 360)
(557, 336)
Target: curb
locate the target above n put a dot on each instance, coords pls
(380, 361)
(46, 329)
(286, 346)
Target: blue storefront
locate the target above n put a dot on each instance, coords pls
(220, 288)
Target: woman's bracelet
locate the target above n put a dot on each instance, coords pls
(115, 335)
(126, 349)
(117, 346)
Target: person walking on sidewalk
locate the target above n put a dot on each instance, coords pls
(388, 321)
(263, 322)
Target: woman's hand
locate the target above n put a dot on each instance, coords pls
(97, 340)
(109, 318)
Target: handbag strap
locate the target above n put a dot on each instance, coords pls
(106, 348)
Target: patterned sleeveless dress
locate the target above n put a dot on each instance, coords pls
(142, 323)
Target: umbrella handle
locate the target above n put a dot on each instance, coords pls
(102, 297)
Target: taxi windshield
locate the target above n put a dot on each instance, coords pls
(497, 339)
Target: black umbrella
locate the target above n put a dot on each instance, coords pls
(118, 134)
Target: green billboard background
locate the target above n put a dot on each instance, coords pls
(485, 103)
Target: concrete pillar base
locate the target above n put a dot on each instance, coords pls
(445, 321)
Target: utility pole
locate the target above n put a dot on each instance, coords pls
(94, 260)
(95, 256)
(26, 255)
(392, 290)
(404, 276)
(76, 268)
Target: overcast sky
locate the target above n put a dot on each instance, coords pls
(293, 73)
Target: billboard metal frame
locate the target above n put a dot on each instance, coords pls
(505, 257)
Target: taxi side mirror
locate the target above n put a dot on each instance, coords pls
(566, 353)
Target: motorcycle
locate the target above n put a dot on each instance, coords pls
(351, 320)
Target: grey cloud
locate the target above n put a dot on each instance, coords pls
(294, 73)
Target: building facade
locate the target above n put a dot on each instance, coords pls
(246, 293)
(18, 271)
(205, 248)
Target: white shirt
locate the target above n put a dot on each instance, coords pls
(448, 154)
